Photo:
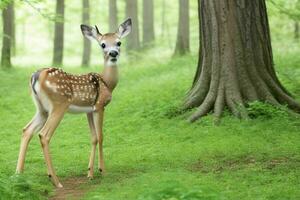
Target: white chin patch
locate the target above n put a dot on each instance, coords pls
(112, 63)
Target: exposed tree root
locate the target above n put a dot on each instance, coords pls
(204, 108)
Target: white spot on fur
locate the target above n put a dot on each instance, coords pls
(50, 86)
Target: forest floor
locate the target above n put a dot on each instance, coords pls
(150, 151)
(74, 188)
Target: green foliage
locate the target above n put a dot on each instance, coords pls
(258, 109)
(51, 16)
(19, 187)
(290, 8)
(175, 191)
(4, 3)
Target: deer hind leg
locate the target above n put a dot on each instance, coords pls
(45, 136)
(98, 122)
(94, 141)
(32, 127)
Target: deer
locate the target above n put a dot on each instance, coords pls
(55, 92)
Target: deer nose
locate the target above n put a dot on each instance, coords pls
(113, 54)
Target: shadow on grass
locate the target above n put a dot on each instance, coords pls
(220, 165)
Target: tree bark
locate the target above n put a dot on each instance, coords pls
(236, 62)
(7, 16)
(86, 54)
(133, 40)
(148, 22)
(13, 30)
(113, 16)
(183, 32)
(59, 33)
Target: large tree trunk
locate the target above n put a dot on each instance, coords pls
(86, 54)
(7, 14)
(133, 40)
(59, 33)
(113, 16)
(148, 22)
(236, 64)
(183, 32)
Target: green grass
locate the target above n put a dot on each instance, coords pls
(151, 154)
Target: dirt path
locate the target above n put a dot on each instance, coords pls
(74, 188)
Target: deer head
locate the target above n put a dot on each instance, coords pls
(110, 43)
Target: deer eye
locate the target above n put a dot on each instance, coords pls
(119, 44)
(103, 45)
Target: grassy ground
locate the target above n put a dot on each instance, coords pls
(149, 152)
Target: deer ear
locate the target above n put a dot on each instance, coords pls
(90, 32)
(125, 28)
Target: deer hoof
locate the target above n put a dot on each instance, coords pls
(59, 185)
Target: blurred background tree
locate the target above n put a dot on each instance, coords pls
(148, 22)
(13, 29)
(8, 38)
(133, 41)
(58, 48)
(113, 15)
(183, 32)
(86, 55)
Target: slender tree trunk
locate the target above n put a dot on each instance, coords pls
(183, 32)
(59, 33)
(113, 16)
(133, 40)
(13, 30)
(236, 62)
(86, 54)
(297, 31)
(148, 22)
(7, 14)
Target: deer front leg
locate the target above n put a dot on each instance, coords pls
(45, 136)
(34, 125)
(98, 106)
(94, 141)
(98, 122)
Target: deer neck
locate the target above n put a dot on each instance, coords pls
(110, 75)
